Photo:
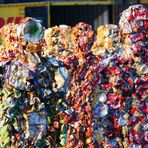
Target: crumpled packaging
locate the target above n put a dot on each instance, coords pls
(108, 40)
(69, 87)
(11, 46)
(135, 42)
(58, 42)
(82, 37)
(133, 19)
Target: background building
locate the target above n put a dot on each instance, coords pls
(70, 12)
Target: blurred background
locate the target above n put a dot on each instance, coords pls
(69, 12)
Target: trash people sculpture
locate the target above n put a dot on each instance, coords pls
(69, 87)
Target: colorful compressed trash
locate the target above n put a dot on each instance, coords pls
(69, 87)
(108, 40)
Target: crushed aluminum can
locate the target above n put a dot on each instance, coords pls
(36, 124)
(100, 111)
(16, 76)
(102, 98)
(143, 69)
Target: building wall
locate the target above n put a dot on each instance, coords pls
(91, 14)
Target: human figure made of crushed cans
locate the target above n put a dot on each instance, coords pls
(69, 87)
